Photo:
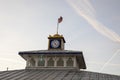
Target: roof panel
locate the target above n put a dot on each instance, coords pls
(55, 75)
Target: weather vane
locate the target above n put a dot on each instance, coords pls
(59, 21)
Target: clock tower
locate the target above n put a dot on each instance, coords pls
(55, 57)
(56, 42)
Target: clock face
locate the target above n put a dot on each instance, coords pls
(55, 43)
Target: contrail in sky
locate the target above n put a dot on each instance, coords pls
(110, 59)
(87, 11)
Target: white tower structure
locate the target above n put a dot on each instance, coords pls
(55, 57)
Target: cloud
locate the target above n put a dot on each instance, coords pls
(87, 11)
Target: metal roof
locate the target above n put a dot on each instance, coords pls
(55, 75)
(50, 52)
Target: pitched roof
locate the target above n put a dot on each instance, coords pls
(54, 75)
(50, 52)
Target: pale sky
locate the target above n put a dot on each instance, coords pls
(91, 26)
